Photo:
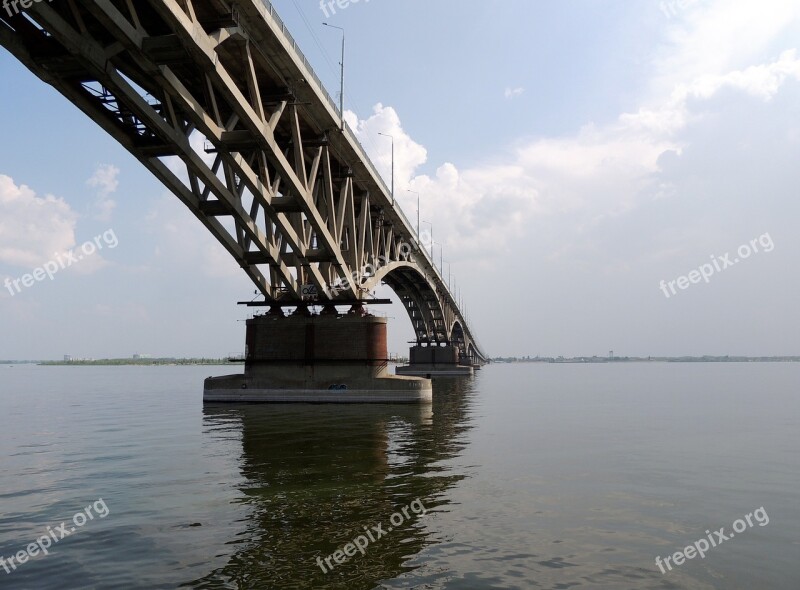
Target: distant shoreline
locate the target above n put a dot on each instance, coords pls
(652, 359)
(162, 362)
(497, 360)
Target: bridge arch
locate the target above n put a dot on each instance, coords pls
(458, 339)
(422, 303)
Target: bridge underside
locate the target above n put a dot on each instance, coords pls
(215, 99)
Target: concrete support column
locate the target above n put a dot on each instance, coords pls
(327, 358)
(435, 361)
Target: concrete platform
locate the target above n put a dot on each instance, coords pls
(429, 371)
(216, 393)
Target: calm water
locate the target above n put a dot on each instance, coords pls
(533, 476)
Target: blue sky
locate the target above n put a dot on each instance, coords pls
(571, 156)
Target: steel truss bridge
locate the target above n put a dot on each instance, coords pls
(217, 101)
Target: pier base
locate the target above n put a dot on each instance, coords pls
(434, 361)
(326, 358)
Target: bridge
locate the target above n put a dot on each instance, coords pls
(216, 99)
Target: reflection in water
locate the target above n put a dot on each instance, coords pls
(317, 476)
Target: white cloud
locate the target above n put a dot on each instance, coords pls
(578, 181)
(105, 181)
(32, 228)
(762, 81)
(409, 155)
(512, 93)
(186, 243)
(716, 36)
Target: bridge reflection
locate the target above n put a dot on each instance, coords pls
(315, 476)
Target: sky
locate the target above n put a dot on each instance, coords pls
(592, 169)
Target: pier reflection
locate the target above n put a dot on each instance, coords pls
(316, 476)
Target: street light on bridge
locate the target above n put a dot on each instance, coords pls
(416, 193)
(341, 92)
(392, 138)
(441, 255)
(431, 247)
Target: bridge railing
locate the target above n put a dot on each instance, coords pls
(274, 14)
(362, 153)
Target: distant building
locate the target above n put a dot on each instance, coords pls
(67, 358)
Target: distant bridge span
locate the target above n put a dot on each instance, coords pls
(217, 101)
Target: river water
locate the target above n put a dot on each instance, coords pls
(527, 476)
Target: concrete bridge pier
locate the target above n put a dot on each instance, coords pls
(325, 358)
(435, 361)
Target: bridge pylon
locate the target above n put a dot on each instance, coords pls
(437, 361)
(324, 358)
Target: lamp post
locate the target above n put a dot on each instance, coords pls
(416, 193)
(441, 254)
(341, 91)
(392, 138)
(431, 244)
